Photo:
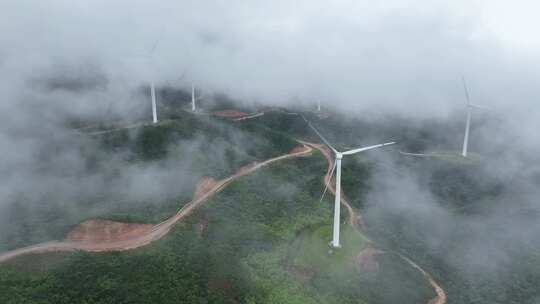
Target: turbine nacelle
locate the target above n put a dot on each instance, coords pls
(354, 151)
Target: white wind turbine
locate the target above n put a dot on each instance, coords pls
(470, 107)
(337, 166)
(193, 98)
(153, 94)
(152, 86)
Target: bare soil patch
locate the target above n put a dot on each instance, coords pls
(298, 150)
(366, 260)
(107, 231)
(230, 113)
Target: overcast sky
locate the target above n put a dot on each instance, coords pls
(407, 56)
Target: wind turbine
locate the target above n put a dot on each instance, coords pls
(470, 107)
(337, 166)
(152, 86)
(319, 106)
(194, 99)
(153, 95)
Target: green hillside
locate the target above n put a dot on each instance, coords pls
(264, 238)
(253, 242)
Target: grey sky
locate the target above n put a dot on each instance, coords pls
(398, 55)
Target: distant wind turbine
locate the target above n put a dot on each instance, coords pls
(193, 98)
(153, 96)
(337, 164)
(470, 107)
(152, 86)
(318, 106)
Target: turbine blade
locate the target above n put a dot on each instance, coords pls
(320, 135)
(466, 90)
(154, 47)
(329, 181)
(480, 107)
(354, 151)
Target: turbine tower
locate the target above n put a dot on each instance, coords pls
(153, 96)
(152, 86)
(193, 105)
(194, 99)
(337, 164)
(319, 106)
(470, 107)
(468, 123)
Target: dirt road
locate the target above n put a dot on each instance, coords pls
(159, 230)
(441, 295)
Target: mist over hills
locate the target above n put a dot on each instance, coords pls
(77, 144)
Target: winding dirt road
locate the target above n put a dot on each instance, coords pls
(441, 295)
(156, 232)
(161, 229)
